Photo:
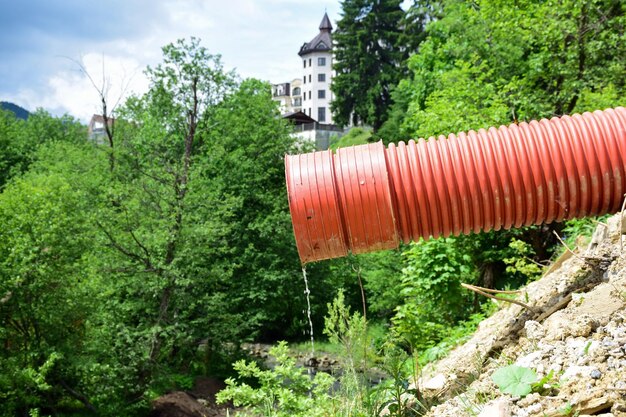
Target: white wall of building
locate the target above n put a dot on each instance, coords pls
(296, 95)
(312, 102)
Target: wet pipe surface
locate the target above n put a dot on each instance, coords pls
(368, 197)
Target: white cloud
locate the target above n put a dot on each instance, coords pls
(71, 91)
(260, 38)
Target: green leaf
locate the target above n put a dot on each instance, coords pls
(514, 380)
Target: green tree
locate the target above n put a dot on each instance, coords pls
(44, 302)
(162, 224)
(368, 58)
(195, 247)
(492, 62)
(20, 139)
(248, 141)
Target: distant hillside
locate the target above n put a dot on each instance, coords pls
(19, 112)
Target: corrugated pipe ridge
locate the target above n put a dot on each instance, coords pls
(367, 198)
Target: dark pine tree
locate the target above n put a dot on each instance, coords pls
(368, 60)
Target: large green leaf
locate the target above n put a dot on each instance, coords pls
(514, 380)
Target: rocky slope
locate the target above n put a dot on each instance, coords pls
(575, 328)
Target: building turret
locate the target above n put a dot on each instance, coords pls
(317, 62)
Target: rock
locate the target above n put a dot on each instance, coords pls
(577, 299)
(599, 235)
(178, 404)
(534, 330)
(575, 370)
(497, 408)
(529, 361)
(594, 405)
(436, 383)
(582, 326)
(586, 338)
(529, 400)
(595, 374)
(563, 324)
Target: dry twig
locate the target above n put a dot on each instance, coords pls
(508, 300)
(575, 255)
(567, 247)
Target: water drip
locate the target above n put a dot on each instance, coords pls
(308, 310)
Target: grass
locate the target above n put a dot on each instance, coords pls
(356, 136)
(376, 332)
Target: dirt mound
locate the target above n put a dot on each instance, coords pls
(199, 402)
(205, 388)
(178, 404)
(573, 333)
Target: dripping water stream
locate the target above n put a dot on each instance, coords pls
(308, 310)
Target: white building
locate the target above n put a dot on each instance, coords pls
(306, 102)
(288, 95)
(317, 63)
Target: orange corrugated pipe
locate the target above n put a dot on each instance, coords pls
(366, 198)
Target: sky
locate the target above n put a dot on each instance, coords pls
(44, 43)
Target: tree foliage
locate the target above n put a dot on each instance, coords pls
(20, 139)
(116, 278)
(489, 62)
(368, 58)
(433, 299)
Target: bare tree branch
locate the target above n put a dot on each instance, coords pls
(508, 300)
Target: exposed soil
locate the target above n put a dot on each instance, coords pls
(199, 402)
(576, 329)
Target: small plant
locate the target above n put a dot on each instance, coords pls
(396, 395)
(519, 381)
(349, 330)
(515, 380)
(567, 410)
(283, 391)
(522, 261)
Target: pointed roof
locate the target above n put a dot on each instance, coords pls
(326, 25)
(323, 42)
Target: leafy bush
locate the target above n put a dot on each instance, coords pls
(521, 262)
(433, 297)
(456, 335)
(285, 390)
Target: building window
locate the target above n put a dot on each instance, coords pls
(304, 97)
(321, 93)
(304, 62)
(321, 78)
(305, 79)
(297, 102)
(321, 61)
(310, 112)
(309, 77)
(309, 62)
(296, 91)
(321, 114)
(309, 95)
